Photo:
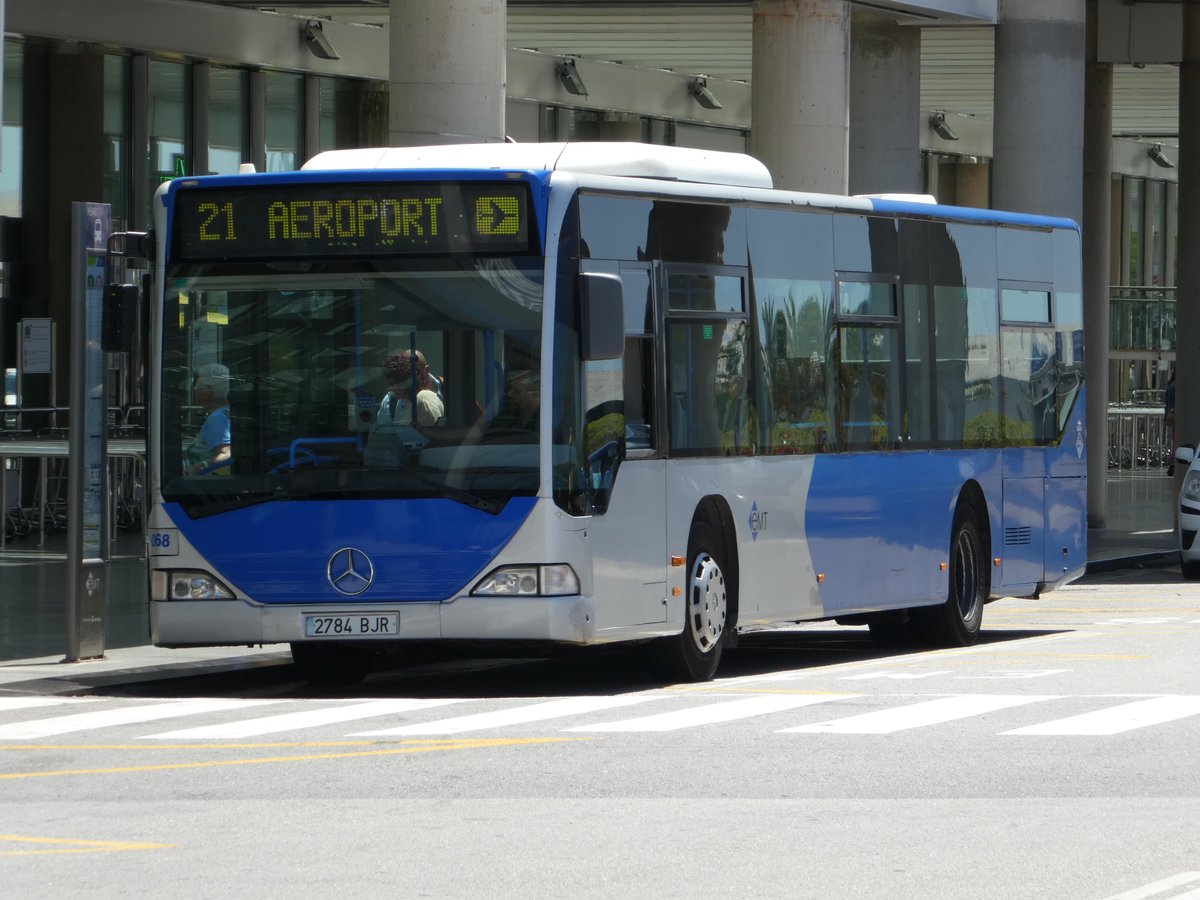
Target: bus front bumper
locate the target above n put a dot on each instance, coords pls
(211, 623)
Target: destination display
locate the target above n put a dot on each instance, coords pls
(340, 219)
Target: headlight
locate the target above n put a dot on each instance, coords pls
(195, 586)
(529, 581)
(1191, 486)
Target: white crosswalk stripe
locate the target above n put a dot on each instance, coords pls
(1160, 888)
(233, 719)
(727, 711)
(917, 715)
(123, 715)
(522, 715)
(8, 704)
(1118, 719)
(297, 721)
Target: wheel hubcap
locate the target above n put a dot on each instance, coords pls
(707, 604)
(966, 566)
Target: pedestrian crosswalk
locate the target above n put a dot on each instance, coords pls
(916, 715)
(793, 715)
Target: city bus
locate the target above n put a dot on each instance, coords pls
(577, 394)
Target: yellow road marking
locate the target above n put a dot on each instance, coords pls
(72, 845)
(1107, 610)
(421, 747)
(714, 689)
(273, 745)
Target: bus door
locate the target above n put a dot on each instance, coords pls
(1028, 378)
(709, 415)
(626, 466)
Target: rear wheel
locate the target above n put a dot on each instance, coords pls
(332, 665)
(956, 622)
(695, 653)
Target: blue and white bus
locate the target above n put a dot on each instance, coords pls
(642, 396)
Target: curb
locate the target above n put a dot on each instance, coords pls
(80, 680)
(1156, 559)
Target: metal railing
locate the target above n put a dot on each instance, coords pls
(1141, 318)
(1137, 437)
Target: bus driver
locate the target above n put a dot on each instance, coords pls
(410, 389)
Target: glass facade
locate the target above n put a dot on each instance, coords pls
(1142, 311)
(116, 135)
(228, 122)
(168, 107)
(285, 121)
(12, 147)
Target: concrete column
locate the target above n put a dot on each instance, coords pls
(447, 71)
(1038, 132)
(800, 121)
(885, 108)
(1097, 240)
(63, 156)
(200, 131)
(1187, 306)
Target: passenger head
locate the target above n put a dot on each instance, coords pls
(398, 368)
(524, 389)
(214, 377)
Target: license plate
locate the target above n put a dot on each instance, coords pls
(358, 625)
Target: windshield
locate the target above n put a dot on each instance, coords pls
(351, 380)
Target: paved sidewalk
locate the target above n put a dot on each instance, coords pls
(1141, 522)
(51, 675)
(1140, 531)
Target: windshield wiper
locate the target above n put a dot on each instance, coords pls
(198, 506)
(459, 495)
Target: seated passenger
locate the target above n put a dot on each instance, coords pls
(408, 383)
(393, 437)
(522, 403)
(211, 446)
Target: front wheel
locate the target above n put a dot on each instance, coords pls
(956, 622)
(695, 653)
(1190, 569)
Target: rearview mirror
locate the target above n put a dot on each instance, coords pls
(119, 318)
(602, 315)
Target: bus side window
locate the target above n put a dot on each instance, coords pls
(639, 375)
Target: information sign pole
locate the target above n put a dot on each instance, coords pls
(87, 537)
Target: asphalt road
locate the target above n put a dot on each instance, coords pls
(1058, 758)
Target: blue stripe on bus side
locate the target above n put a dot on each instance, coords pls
(878, 524)
(421, 550)
(968, 214)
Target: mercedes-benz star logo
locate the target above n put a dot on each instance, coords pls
(350, 571)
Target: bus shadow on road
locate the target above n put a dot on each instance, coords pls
(591, 671)
(764, 653)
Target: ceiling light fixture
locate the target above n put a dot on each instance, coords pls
(941, 127)
(568, 75)
(698, 88)
(316, 40)
(1160, 159)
